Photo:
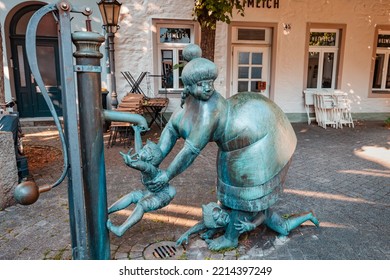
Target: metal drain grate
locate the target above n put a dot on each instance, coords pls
(163, 250)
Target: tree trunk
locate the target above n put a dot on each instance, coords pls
(2, 93)
(207, 43)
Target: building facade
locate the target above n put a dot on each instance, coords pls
(280, 48)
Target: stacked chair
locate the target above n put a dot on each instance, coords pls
(123, 131)
(332, 108)
(343, 111)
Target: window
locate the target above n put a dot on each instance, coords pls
(381, 75)
(322, 58)
(172, 39)
(251, 35)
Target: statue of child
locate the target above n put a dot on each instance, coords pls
(215, 217)
(145, 161)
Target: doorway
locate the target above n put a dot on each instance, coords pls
(251, 66)
(29, 98)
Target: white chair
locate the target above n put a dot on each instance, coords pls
(325, 108)
(309, 103)
(343, 105)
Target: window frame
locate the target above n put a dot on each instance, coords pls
(379, 92)
(341, 28)
(267, 35)
(321, 50)
(175, 47)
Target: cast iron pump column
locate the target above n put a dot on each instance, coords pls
(82, 134)
(91, 139)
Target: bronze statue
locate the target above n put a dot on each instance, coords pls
(215, 217)
(256, 142)
(146, 201)
(255, 139)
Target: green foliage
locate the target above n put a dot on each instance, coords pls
(387, 122)
(179, 65)
(209, 12)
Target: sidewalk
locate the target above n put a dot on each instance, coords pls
(343, 175)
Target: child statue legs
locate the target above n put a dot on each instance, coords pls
(236, 222)
(284, 226)
(145, 201)
(125, 201)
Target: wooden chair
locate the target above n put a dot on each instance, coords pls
(154, 106)
(131, 103)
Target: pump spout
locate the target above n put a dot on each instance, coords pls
(139, 120)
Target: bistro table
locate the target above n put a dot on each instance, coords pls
(154, 107)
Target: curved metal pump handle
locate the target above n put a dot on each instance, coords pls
(28, 192)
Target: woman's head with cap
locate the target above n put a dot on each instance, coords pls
(199, 73)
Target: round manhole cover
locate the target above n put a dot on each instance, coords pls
(163, 250)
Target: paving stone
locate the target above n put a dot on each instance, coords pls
(349, 194)
(216, 256)
(135, 255)
(122, 256)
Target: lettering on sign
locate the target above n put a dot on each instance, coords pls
(265, 4)
(383, 41)
(322, 39)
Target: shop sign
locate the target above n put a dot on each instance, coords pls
(264, 4)
(383, 41)
(322, 39)
(175, 35)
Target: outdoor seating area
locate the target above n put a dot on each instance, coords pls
(137, 102)
(328, 107)
(153, 106)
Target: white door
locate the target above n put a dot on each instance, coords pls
(251, 69)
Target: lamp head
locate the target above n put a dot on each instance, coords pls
(110, 9)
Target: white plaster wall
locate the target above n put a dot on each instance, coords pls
(133, 43)
(221, 58)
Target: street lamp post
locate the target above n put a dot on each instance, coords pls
(109, 10)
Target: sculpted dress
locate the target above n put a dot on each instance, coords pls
(255, 140)
(254, 153)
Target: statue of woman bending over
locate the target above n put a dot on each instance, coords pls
(255, 140)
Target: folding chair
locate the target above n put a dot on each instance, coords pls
(325, 110)
(343, 107)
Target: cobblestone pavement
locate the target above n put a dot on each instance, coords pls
(343, 175)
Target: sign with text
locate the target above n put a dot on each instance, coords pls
(383, 41)
(262, 4)
(322, 39)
